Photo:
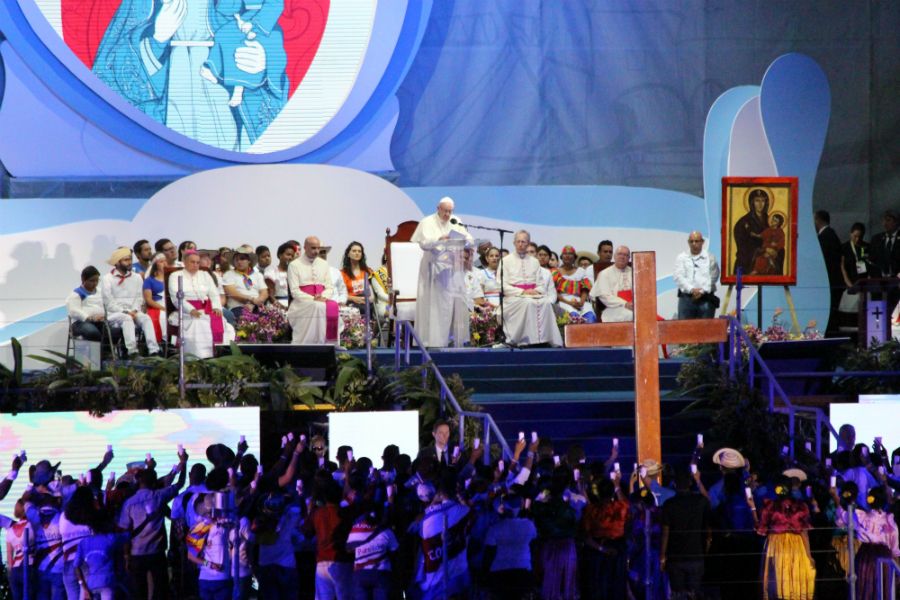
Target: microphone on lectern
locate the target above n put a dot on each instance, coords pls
(454, 221)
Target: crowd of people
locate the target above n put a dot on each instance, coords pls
(856, 259)
(219, 286)
(448, 524)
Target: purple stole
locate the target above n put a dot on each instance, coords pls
(331, 310)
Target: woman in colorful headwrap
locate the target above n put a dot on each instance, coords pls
(573, 284)
(877, 532)
(788, 568)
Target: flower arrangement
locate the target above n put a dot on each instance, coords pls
(566, 318)
(483, 326)
(268, 325)
(353, 335)
(776, 332)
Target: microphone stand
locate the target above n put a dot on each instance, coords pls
(500, 268)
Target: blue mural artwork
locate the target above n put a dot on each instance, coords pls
(196, 85)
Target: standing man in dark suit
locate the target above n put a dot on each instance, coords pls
(831, 251)
(440, 449)
(885, 254)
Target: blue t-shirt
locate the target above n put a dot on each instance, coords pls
(156, 288)
(96, 555)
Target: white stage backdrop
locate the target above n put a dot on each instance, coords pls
(871, 419)
(369, 432)
(46, 242)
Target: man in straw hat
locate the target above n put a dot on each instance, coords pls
(245, 287)
(123, 298)
(650, 471)
(729, 460)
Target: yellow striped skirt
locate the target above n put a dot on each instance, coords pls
(788, 573)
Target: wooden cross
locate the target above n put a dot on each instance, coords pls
(645, 334)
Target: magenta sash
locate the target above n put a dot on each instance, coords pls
(332, 311)
(525, 286)
(215, 321)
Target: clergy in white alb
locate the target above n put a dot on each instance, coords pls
(441, 311)
(613, 287)
(313, 313)
(202, 323)
(528, 316)
(123, 299)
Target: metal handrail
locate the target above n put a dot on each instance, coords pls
(737, 334)
(893, 571)
(404, 334)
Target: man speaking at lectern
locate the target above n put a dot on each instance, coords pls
(440, 301)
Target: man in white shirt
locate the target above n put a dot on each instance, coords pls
(528, 316)
(313, 313)
(614, 288)
(441, 296)
(696, 274)
(123, 298)
(244, 286)
(85, 306)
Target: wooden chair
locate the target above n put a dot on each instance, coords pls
(400, 253)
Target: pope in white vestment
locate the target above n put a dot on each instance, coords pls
(441, 295)
(528, 316)
(612, 284)
(202, 323)
(313, 312)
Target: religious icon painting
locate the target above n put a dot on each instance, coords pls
(759, 230)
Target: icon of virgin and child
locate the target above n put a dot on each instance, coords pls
(760, 238)
(213, 70)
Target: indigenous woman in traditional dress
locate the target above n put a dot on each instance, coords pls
(877, 532)
(573, 286)
(490, 278)
(840, 538)
(276, 275)
(788, 568)
(557, 526)
(154, 287)
(644, 563)
(603, 526)
(354, 270)
(202, 324)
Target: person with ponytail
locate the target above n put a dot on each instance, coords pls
(788, 567)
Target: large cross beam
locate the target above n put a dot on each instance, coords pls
(645, 334)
